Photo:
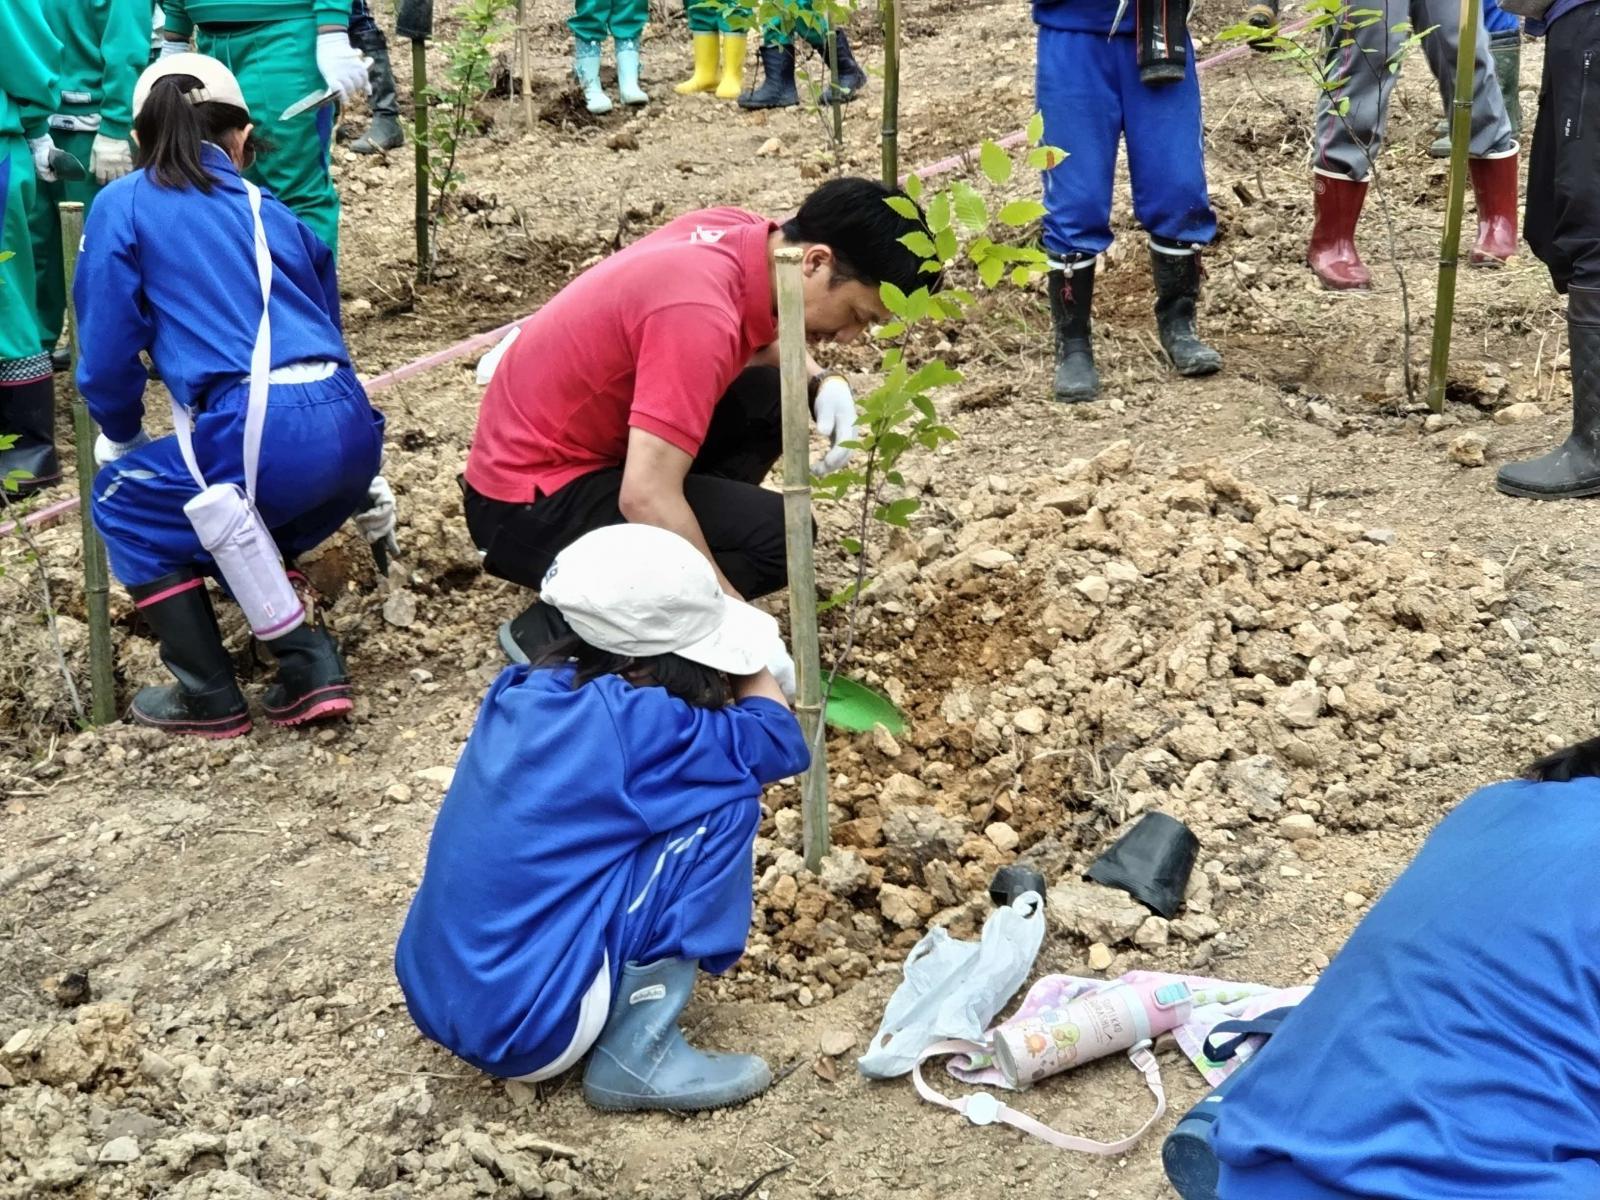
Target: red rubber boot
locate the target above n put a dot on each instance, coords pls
(1332, 253)
(1494, 190)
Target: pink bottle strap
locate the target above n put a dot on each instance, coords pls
(983, 1108)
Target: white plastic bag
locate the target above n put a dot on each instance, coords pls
(491, 360)
(955, 989)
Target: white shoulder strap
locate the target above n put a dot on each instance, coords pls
(255, 418)
(983, 1108)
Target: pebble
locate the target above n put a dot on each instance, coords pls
(442, 776)
(1380, 537)
(1004, 837)
(119, 1150)
(770, 148)
(1516, 414)
(993, 558)
(836, 1042)
(1469, 450)
(399, 793)
(1153, 933)
(1093, 588)
(1099, 956)
(1297, 826)
(1031, 720)
(1354, 900)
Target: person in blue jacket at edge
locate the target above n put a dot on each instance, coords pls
(1093, 93)
(592, 853)
(168, 267)
(1449, 1052)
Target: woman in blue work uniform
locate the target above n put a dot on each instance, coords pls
(169, 267)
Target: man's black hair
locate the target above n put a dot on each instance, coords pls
(853, 219)
(691, 682)
(1577, 761)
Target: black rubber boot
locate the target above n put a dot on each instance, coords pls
(1071, 296)
(1177, 279)
(313, 682)
(530, 634)
(1573, 468)
(206, 701)
(27, 410)
(851, 78)
(384, 132)
(777, 80)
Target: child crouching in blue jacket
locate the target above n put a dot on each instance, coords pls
(594, 849)
(169, 266)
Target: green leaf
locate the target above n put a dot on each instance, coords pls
(914, 187)
(898, 512)
(1020, 276)
(991, 270)
(892, 330)
(904, 207)
(1021, 212)
(1046, 158)
(893, 299)
(946, 245)
(851, 545)
(1036, 129)
(919, 244)
(970, 210)
(996, 164)
(939, 217)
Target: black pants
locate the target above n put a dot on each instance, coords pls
(1562, 220)
(742, 522)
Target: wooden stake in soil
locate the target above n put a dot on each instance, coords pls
(419, 100)
(833, 84)
(525, 61)
(889, 11)
(802, 566)
(96, 576)
(1444, 305)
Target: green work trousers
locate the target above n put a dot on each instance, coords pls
(49, 269)
(596, 20)
(717, 16)
(276, 65)
(20, 338)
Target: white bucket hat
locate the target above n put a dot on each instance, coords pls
(642, 591)
(216, 81)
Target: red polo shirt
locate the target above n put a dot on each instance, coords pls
(649, 339)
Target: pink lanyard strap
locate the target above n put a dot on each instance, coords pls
(983, 1108)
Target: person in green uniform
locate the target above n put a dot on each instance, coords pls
(282, 51)
(29, 92)
(777, 88)
(104, 46)
(718, 27)
(592, 21)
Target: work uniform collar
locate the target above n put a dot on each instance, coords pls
(760, 310)
(214, 158)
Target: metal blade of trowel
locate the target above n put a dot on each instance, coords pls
(306, 103)
(66, 166)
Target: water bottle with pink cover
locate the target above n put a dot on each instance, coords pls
(1107, 1021)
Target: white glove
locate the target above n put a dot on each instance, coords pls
(836, 420)
(110, 159)
(376, 521)
(490, 361)
(782, 667)
(171, 46)
(107, 451)
(342, 66)
(42, 148)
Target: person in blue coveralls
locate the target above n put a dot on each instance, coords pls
(1093, 94)
(593, 852)
(1449, 1051)
(168, 267)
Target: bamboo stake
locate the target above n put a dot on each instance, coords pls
(419, 99)
(802, 567)
(525, 61)
(889, 11)
(833, 87)
(96, 576)
(1444, 305)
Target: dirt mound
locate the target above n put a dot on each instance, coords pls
(1075, 650)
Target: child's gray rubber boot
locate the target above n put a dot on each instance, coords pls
(586, 66)
(641, 1060)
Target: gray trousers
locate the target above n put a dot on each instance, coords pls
(1348, 145)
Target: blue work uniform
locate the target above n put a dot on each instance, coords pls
(1452, 1049)
(585, 828)
(172, 271)
(1089, 91)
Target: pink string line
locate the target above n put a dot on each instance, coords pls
(51, 513)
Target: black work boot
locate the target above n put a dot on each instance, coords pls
(777, 80)
(1572, 469)
(528, 636)
(206, 701)
(313, 682)
(1177, 279)
(851, 78)
(27, 411)
(1071, 294)
(383, 132)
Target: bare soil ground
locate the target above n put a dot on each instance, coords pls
(1272, 594)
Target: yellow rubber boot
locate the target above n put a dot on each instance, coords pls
(704, 78)
(732, 84)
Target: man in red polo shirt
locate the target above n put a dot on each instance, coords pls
(647, 390)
